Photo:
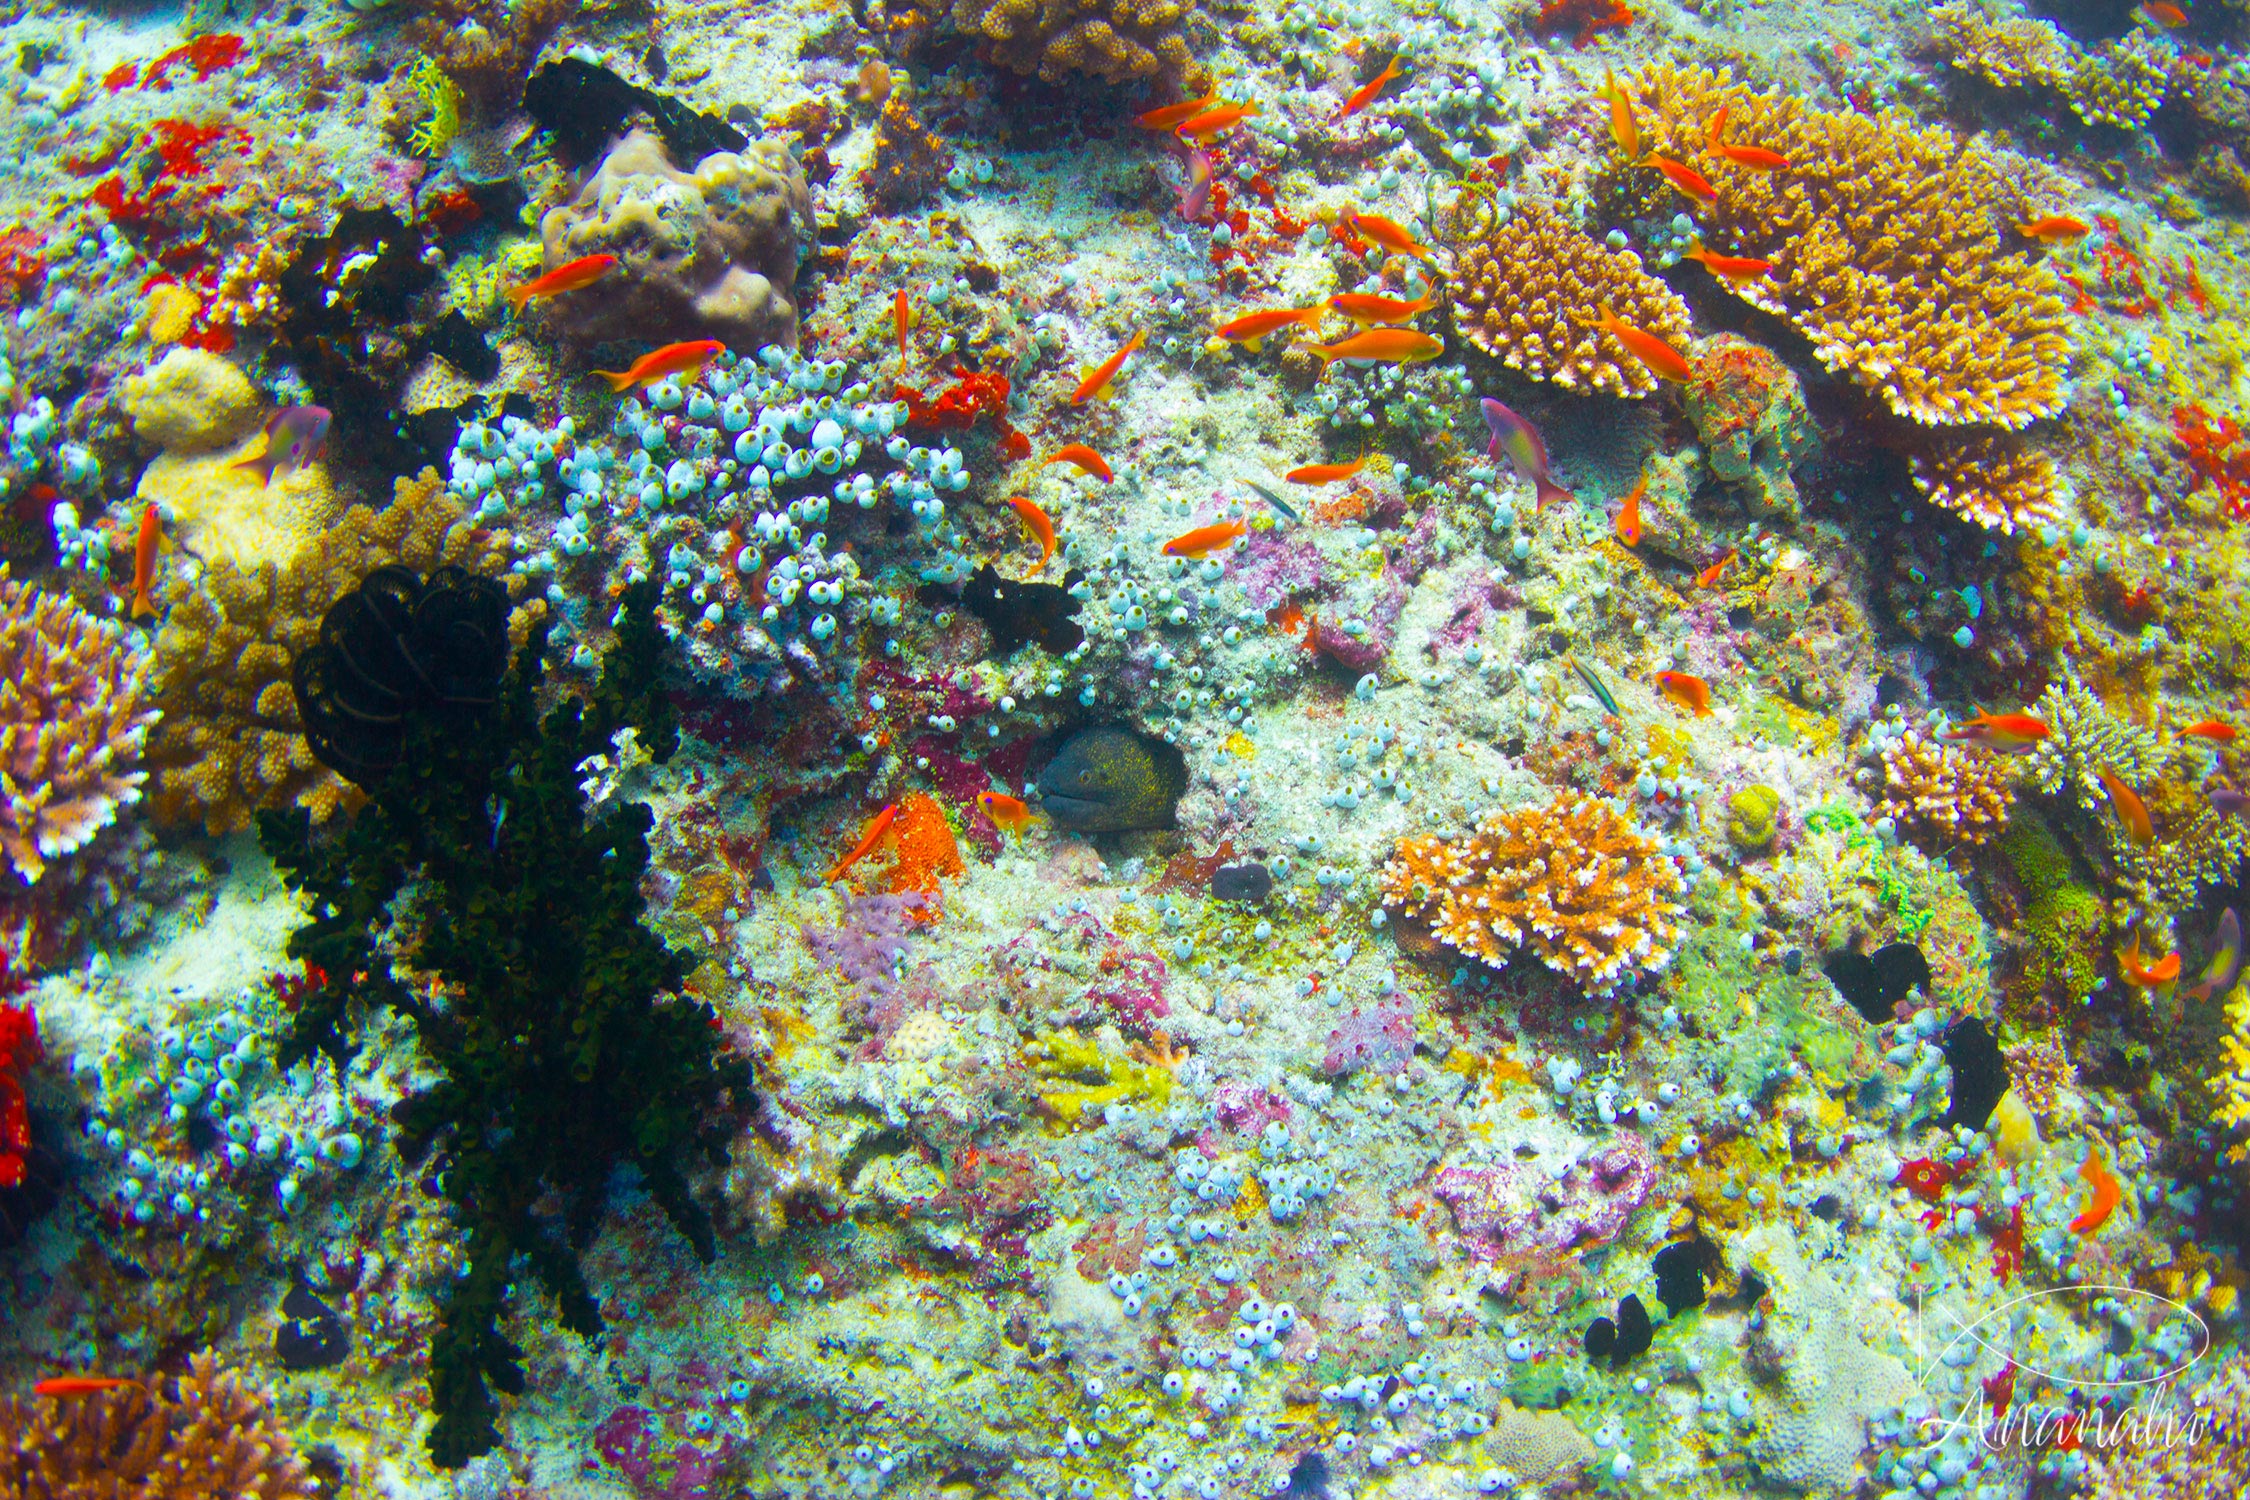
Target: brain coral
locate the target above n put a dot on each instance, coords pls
(72, 724)
(705, 254)
(1886, 243)
(1531, 294)
(1573, 881)
(230, 742)
(1117, 41)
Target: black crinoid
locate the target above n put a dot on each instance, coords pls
(394, 647)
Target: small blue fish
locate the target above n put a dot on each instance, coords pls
(1273, 500)
(295, 438)
(1526, 451)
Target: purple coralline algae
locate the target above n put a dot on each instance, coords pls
(1522, 1205)
(1380, 1036)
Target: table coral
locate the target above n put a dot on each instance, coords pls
(1947, 794)
(230, 741)
(1531, 294)
(1117, 41)
(1993, 480)
(1573, 880)
(1888, 254)
(2083, 737)
(204, 1435)
(72, 725)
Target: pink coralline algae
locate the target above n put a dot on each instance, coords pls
(866, 949)
(1379, 1037)
(1274, 566)
(1244, 1107)
(1520, 1206)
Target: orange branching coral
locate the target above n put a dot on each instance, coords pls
(1991, 479)
(1574, 881)
(1889, 243)
(1531, 294)
(207, 1438)
(1946, 794)
(925, 845)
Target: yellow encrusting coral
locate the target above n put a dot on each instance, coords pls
(1074, 1063)
(1531, 295)
(204, 1438)
(1572, 880)
(1117, 41)
(1887, 244)
(1991, 479)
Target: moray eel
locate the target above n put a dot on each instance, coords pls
(1110, 779)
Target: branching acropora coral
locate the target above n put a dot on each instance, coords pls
(1946, 793)
(2006, 51)
(1993, 480)
(2082, 739)
(72, 724)
(2233, 1081)
(1117, 41)
(1573, 880)
(1887, 246)
(204, 1438)
(1531, 294)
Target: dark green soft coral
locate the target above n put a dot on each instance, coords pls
(554, 1023)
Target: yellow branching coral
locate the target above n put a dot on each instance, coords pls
(73, 720)
(1089, 1078)
(1946, 794)
(1117, 41)
(442, 97)
(2233, 1081)
(1887, 246)
(230, 742)
(206, 1438)
(1991, 479)
(1573, 881)
(2006, 51)
(2121, 85)
(1531, 294)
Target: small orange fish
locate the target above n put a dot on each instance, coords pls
(1369, 308)
(902, 318)
(2134, 965)
(1623, 127)
(1691, 693)
(1213, 123)
(1629, 514)
(673, 359)
(1171, 116)
(2010, 734)
(1365, 94)
(1663, 361)
(1688, 180)
(1085, 458)
(1710, 575)
(1205, 540)
(2055, 229)
(1729, 267)
(583, 272)
(2103, 1192)
(146, 544)
(1097, 385)
(1039, 524)
(1011, 813)
(2132, 812)
(1383, 232)
(1325, 473)
(877, 828)
(1381, 346)
(2164, 13)
(79, 1385)
(2211, 729)
(1253, 328)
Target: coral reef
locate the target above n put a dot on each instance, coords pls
(1937, 793)
(908, 163)
(191, 400)
(1572, 880)
(1531, 293)
(2084, 738)
(1117, 41)
(705, 254)
(200, 1434)
(2199, 1459)
(2006, 51)
(73, 723)
(1991, 479)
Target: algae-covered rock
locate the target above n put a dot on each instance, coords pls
(1749, 409)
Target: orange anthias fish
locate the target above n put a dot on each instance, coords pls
(1172, 116)
(2010, 734)
(2132, 812)
(1325, 473)
(1380, 346)
(2211, 729)
(1039, 524)
(1691, 693)
(1756, 158)
(2134, 965)
(1366, 93)
(2164, 13)
(1011, 813)
(1710, 575)
(878, 828)
(1688, 180)
(1213, 123)
(2104, 1192)
(1085, 458)
(80, 1385)
(1369, 308)
(1663, 361)
(1729, 267)
(1253, 328)
(1623, 127)
(1382, 231)
(1205, 540)
(583, 272)
(903, 317)
(673, 359)
(1629, 514)
(1097, 386)
(2055, 229)
(146, 543)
